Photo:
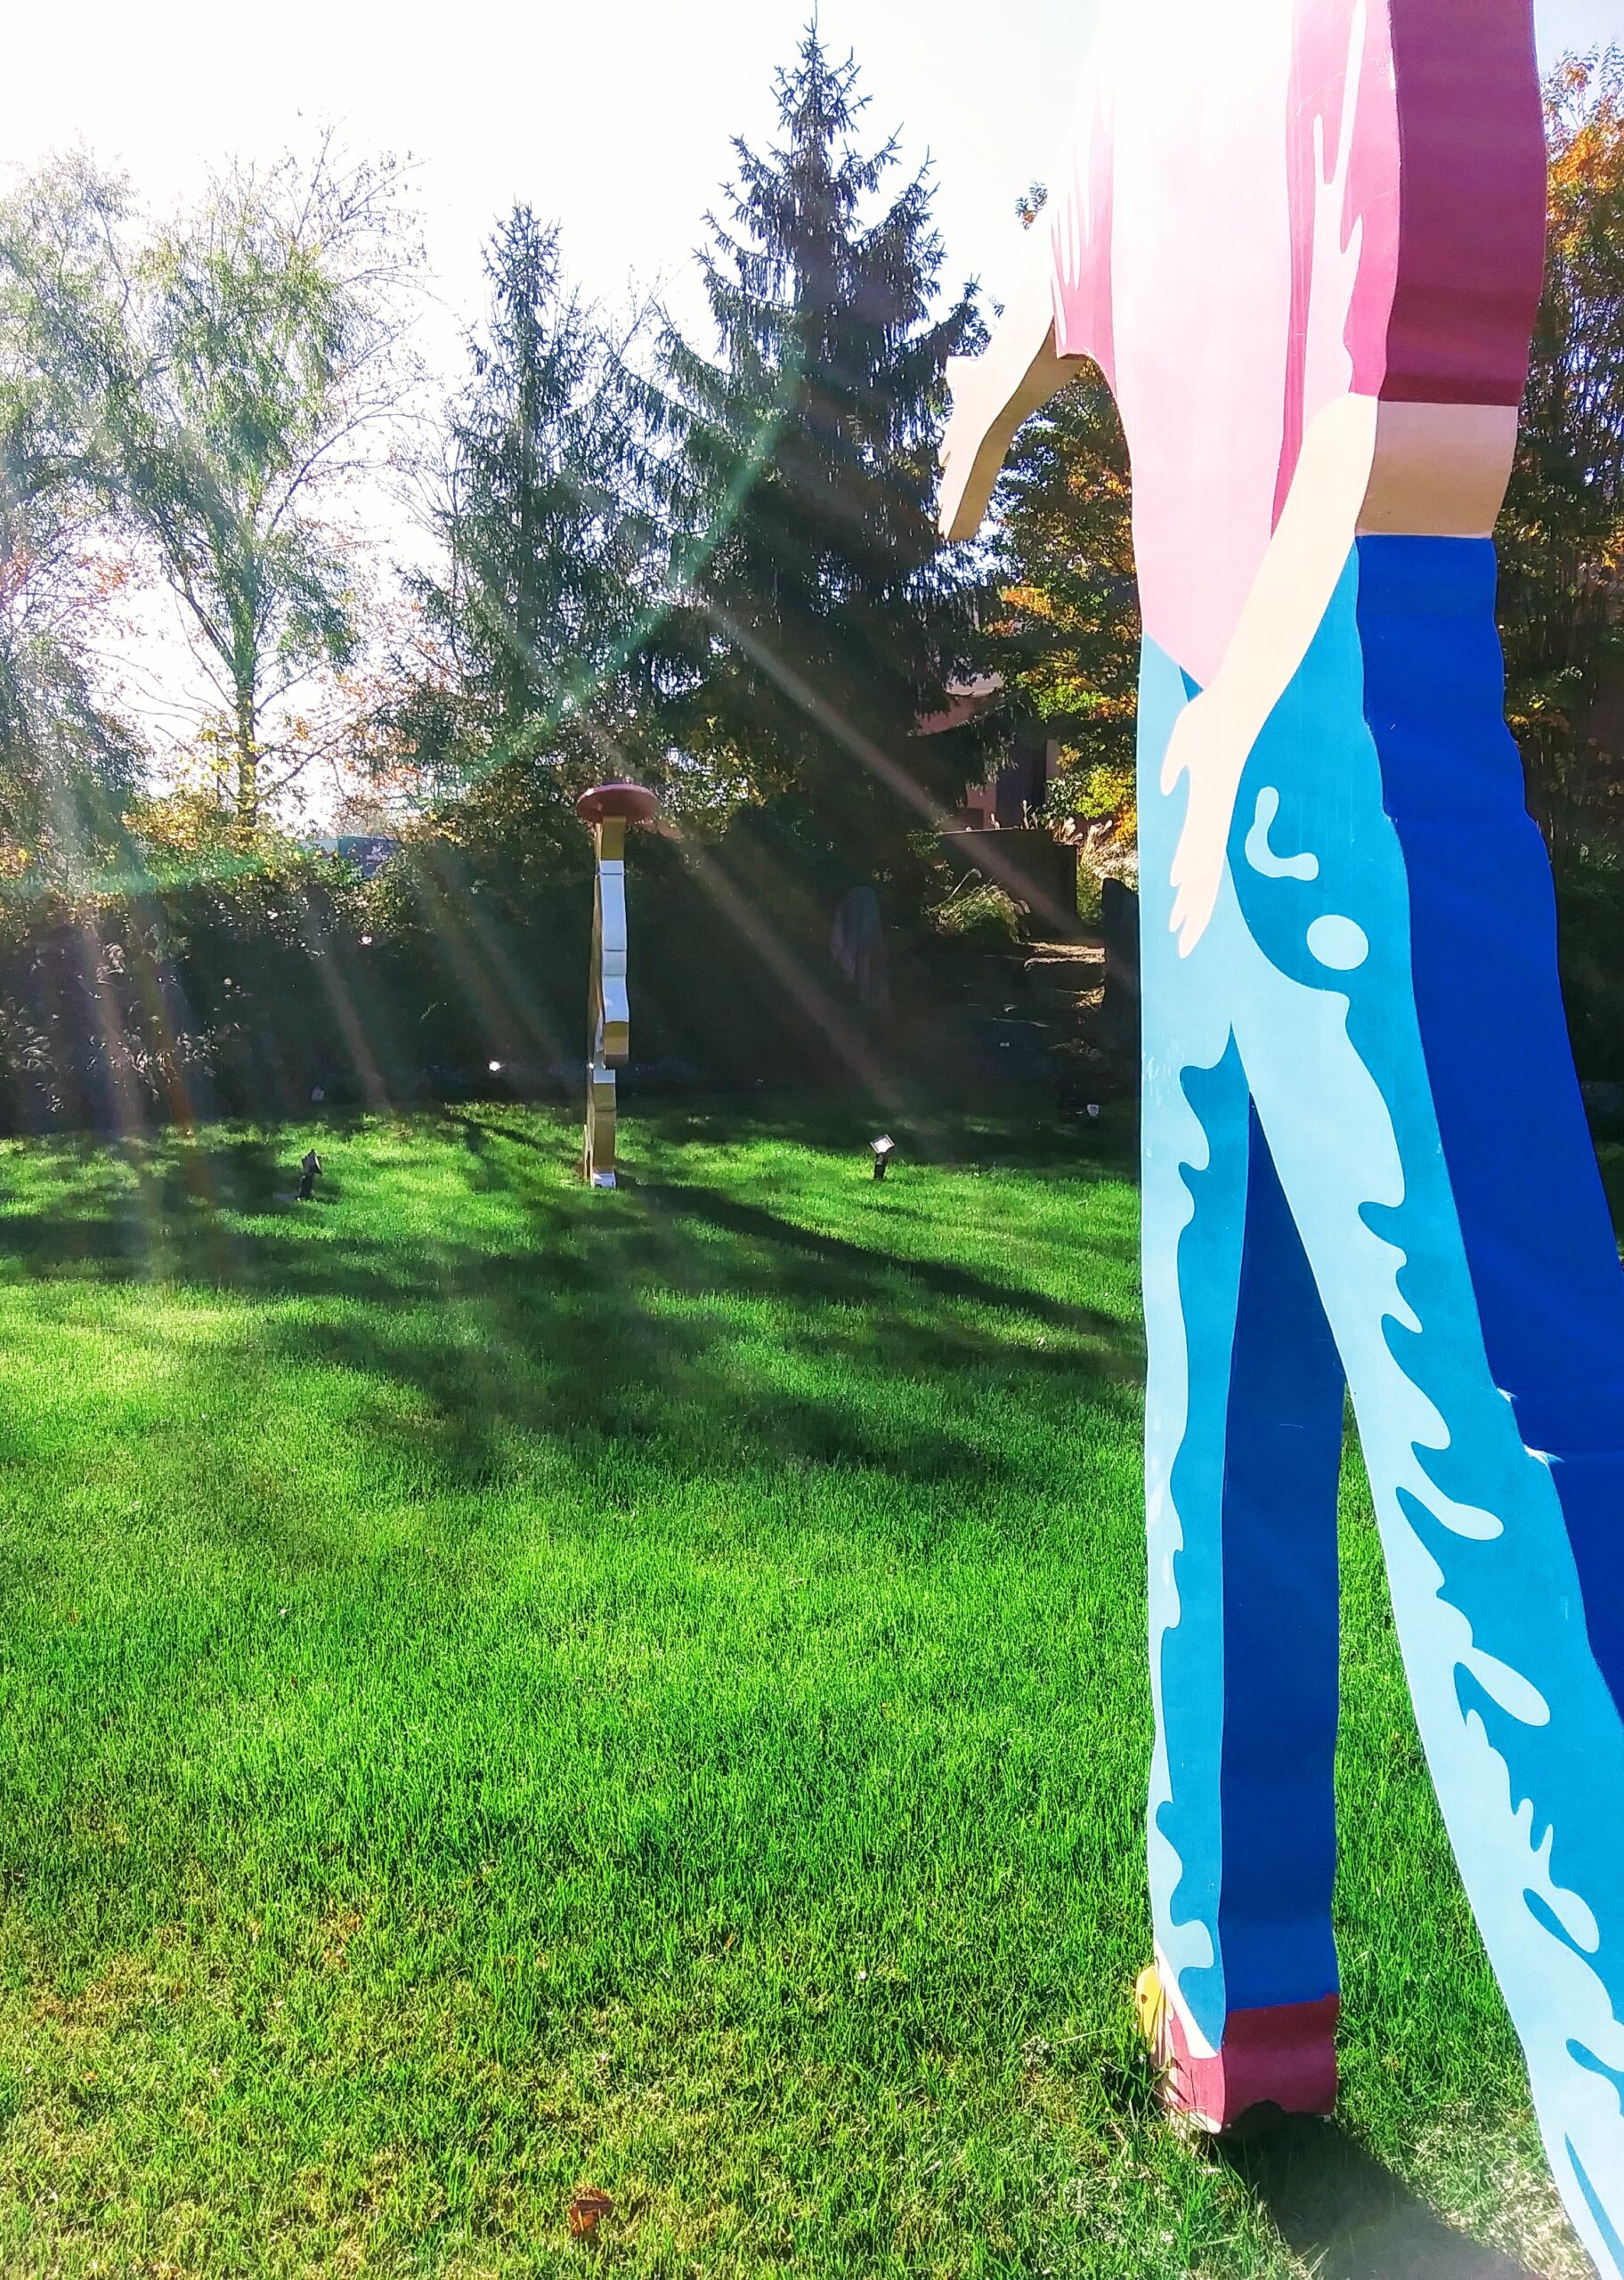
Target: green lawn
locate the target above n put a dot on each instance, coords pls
(503, 1689)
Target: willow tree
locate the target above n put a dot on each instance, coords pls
(224, 379)
(70, 763)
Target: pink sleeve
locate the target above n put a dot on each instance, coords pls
(1417, 218)
(1472, 244)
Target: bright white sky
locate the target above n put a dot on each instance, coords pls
(611, 116)
(612, 119)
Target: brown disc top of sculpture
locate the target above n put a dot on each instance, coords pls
(627, 802)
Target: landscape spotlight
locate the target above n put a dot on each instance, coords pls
(884, 1149)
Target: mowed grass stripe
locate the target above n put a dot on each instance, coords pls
(506, 1688)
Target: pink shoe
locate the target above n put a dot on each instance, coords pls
(1284, 2056)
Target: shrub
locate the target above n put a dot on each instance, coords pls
(979, 916)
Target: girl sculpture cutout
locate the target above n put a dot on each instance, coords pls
(1304, 245)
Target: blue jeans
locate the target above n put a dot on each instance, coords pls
(1366, 1162)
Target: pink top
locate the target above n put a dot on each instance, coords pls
(1343, 198)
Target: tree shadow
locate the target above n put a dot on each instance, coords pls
(215, 1209)
(843, 1265)
(1348, 2216)
(1001, 1123)
(479, 1131)
(708, 1334)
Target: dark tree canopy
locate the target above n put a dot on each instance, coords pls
(553, 572)
(1561, 537)
(1064, 637)
(828, 618)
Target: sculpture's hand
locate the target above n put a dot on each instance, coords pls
(1210, 745)
(971, 458)
(994, 393)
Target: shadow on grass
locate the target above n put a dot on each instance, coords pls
(1349, 2218)
(841, 1265)
(678, 1318)
(1012, 1125)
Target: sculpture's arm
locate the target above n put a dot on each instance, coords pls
(993, 393)
(1425, 470)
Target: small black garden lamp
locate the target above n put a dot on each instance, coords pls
(884, 1149)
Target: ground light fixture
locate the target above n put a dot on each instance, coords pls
(884, 1149)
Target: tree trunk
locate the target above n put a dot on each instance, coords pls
(246, 741)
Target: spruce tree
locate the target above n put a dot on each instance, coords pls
(552, 569)
(827, 616)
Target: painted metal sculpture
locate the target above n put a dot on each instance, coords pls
(1304, 241)
(608, 811)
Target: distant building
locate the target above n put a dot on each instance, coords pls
(1011, 796)
(998, 831)
(368, 852)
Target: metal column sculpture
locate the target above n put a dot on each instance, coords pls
(1302, 239)
(608, 811)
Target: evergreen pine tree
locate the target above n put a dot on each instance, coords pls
(552, 570)
(828, 616)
